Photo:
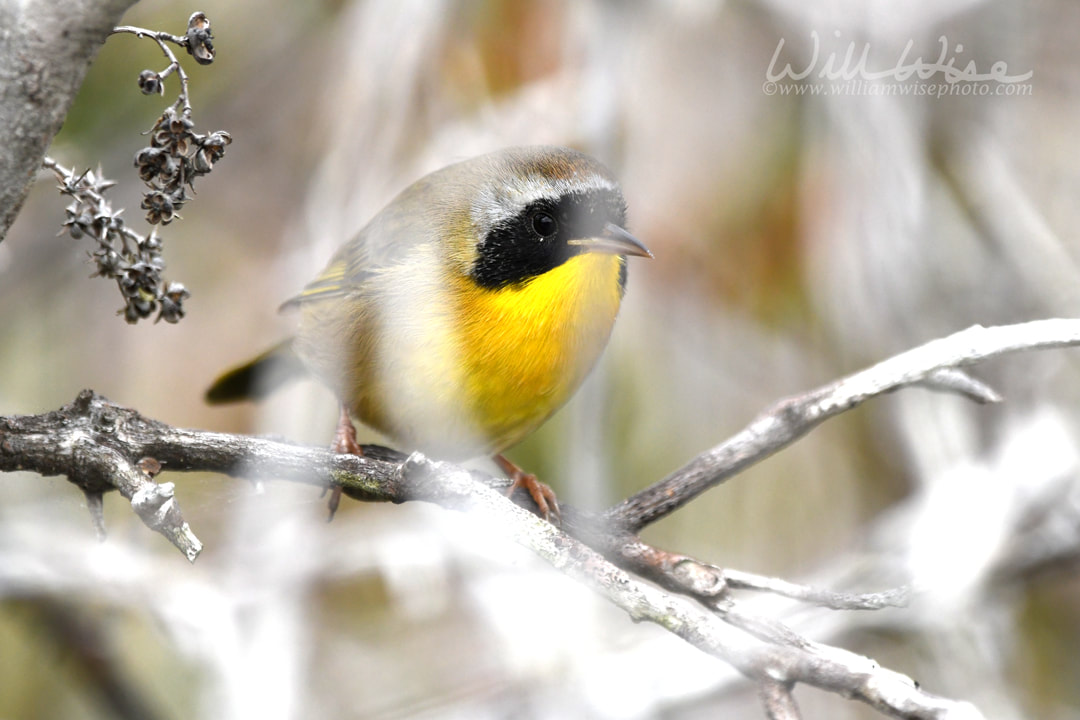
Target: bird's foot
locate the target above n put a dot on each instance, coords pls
(542, 495)
(344, 443)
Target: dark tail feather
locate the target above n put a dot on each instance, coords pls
(258, 377)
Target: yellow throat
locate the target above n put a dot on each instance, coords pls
(525, 349)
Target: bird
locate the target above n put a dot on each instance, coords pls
(466, 312)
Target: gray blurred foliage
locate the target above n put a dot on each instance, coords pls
(797, 238)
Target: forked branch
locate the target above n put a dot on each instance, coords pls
(101, 446)
(937, 365)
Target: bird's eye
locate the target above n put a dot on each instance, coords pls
(544, 225)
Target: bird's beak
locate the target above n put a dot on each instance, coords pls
(613, 240)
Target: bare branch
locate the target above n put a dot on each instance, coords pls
(790, 419)
(53, 444)
(959, 382)
(99, 446)
(821, 666)
(739, 580)
(711, 584)
(858, 677)
(778, 701)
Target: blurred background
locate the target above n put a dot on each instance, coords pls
(803, 228)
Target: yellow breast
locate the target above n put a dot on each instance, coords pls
(526, 349)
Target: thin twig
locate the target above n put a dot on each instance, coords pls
(959, 382)
(162, 39)
(778, 701)
(790, 419)
(737, 579)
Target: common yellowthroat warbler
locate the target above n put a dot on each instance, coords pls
(467, 311)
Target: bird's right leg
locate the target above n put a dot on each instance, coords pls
(344, 442)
